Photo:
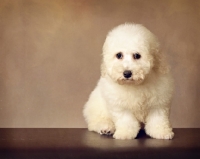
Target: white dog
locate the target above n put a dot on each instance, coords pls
(135, 87)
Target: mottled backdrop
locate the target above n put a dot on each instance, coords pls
(50, 55)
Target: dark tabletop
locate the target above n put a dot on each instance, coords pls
(80, 143)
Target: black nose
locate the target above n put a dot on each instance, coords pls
(127, 74)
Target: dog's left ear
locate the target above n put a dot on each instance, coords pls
(160, 64)
(159, 60)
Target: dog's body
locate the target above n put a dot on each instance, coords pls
(135, 87)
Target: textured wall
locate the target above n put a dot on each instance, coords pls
(50, 54)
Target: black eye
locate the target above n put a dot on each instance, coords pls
(136, 56)
(119, 55)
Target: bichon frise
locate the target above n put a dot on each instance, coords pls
(135, 87)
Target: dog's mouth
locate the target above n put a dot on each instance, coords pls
(130, 81)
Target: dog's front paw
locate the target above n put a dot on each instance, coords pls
(161, 134)
(125, 134)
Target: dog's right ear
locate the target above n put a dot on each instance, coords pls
(103, 69)
(103, 66)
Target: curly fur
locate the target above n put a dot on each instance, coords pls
(119, 105)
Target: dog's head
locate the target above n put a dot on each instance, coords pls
(130, 53)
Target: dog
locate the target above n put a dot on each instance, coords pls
(135, 87)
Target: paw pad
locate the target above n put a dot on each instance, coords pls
(106, 132)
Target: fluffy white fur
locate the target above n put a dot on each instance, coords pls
(118, 105)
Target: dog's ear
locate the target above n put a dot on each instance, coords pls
(103, 69)
(159, 60)
(160, 64)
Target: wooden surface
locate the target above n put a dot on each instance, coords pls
(80, 143)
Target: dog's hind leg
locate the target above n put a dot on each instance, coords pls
(97, 116)
(103, 127)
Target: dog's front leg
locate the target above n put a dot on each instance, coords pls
(158, 125)
(126, 125)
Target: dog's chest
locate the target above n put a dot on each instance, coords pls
(133, 100)
(125, 97)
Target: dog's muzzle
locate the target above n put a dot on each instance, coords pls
(127, 74)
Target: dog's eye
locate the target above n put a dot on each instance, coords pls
(119, 55)
(136, 56)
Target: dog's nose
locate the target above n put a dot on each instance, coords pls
(127, 74)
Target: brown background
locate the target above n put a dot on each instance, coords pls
(50, 53)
